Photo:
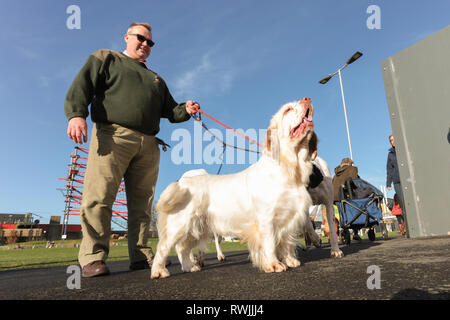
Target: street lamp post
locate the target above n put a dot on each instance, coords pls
(352, 59)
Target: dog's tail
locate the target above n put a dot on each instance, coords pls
(173, 199)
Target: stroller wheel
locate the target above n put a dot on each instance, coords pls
(371, 234)
(345, 237)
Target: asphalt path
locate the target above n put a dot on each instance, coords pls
(398, 268)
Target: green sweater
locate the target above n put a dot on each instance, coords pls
(123, 91)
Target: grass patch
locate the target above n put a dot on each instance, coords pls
(41, 257)
(35, 255)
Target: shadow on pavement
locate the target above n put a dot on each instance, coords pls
(324, 252)
(413, 294)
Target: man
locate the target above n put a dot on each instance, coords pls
(127, 101)
(393, 176)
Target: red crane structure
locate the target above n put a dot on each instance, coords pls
(73, 192)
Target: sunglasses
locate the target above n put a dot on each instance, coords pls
(142, 39)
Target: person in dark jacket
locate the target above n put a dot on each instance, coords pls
(391, 166)
(393, 176)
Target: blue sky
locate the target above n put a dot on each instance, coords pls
(240, 59)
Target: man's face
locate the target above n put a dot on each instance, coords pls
(391, 139)
(138, 50)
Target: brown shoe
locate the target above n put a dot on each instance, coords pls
(95, 269)
(146, 264)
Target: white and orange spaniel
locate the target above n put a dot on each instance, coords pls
(265, 205)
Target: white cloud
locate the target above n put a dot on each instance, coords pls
(211, 74)
(64, 74)
(26, 53)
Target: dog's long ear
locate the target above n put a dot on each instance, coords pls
(273, 143)
(269, 134)
(313, 142)
(268, 140)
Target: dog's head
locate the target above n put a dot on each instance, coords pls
(291, 140)
(291, 127)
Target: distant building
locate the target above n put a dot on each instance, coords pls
(24, 228)
(12, 218)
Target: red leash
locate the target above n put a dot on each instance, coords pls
(223, 124)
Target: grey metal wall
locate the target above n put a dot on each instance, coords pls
(417, 85)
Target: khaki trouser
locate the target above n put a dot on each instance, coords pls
(117, 152)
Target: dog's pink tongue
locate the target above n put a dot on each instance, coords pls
(296, 131)
(306, 122)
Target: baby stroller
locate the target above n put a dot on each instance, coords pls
(359, 207)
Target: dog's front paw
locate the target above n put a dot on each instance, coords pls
(221, 257)
(292, 262)
(162, 273)
(195, 268)
(275, 266)
(337, 253)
